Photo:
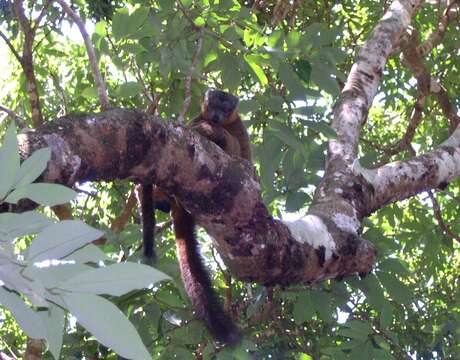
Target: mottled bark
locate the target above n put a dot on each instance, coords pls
(221, 191)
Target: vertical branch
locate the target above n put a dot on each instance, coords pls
(28, 65)
(188, 79)
(100, 84)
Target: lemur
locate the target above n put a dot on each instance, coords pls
(218, 121)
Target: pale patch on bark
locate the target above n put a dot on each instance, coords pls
(367, 174)
(311, 229)
(449, 166)
(346, 223)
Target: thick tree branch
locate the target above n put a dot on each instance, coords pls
(219, 190)
(402, 179)
(340, 201)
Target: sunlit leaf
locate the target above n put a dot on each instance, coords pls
(107, 323)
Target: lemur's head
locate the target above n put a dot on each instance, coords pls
(218, 105)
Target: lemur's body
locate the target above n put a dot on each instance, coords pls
(219, 122)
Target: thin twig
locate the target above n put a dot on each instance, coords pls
(10, 45)
(17, 119)
(438, 216)
(188, 80)
(100, 84)
(41, 15)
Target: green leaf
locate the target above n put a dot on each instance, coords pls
(199, 21)
(88, 253)
(53, 275)
(89, 93)
(321, 127)
(117, 279)
(17, 225)
(270, 156)
(129, 89)
(356, 329)
(101, 28)
(386, 315)
(322, 77)
(295, 200)
(291, 81)
(303, 69)
(9, 160)
(43, 194)
(321, 303)
(231, 73)
(107, 323)
(252, 60)
(28, 320)
(395, 266)
(362, 351)
(303, 356)
(125, 24)
(59, 240)
(177, 352)
(303, 308)
(165, 62)
(53, 320)
(397, 290)
(190, 334)
(32, 167)
(286, 134)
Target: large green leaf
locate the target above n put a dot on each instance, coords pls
(59, 240)
(397, 290)
(116, 279)
(42, 193)
(17, 225)
(303, 308)
(28, 320)
(107, 323)
(129, 89)
(53, 320)
(9, 161)
(32, 167)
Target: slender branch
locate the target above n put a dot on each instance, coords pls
(446, 106)
(188, 80)
(28, 64)
(100, 84)
(435, 38)
(17, 119)
(10, 45)
(438, 215)
(41, 15)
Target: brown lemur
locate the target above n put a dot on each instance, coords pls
(219, 122)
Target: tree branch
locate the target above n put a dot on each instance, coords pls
(28, 64)
(438, 215)
(402, 179)
(188, 79)
(12, 49)
(100, 84)
(208, 182)
(17, 119)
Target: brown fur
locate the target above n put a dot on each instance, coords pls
(220, 123)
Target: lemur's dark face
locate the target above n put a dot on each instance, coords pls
(219, 105)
